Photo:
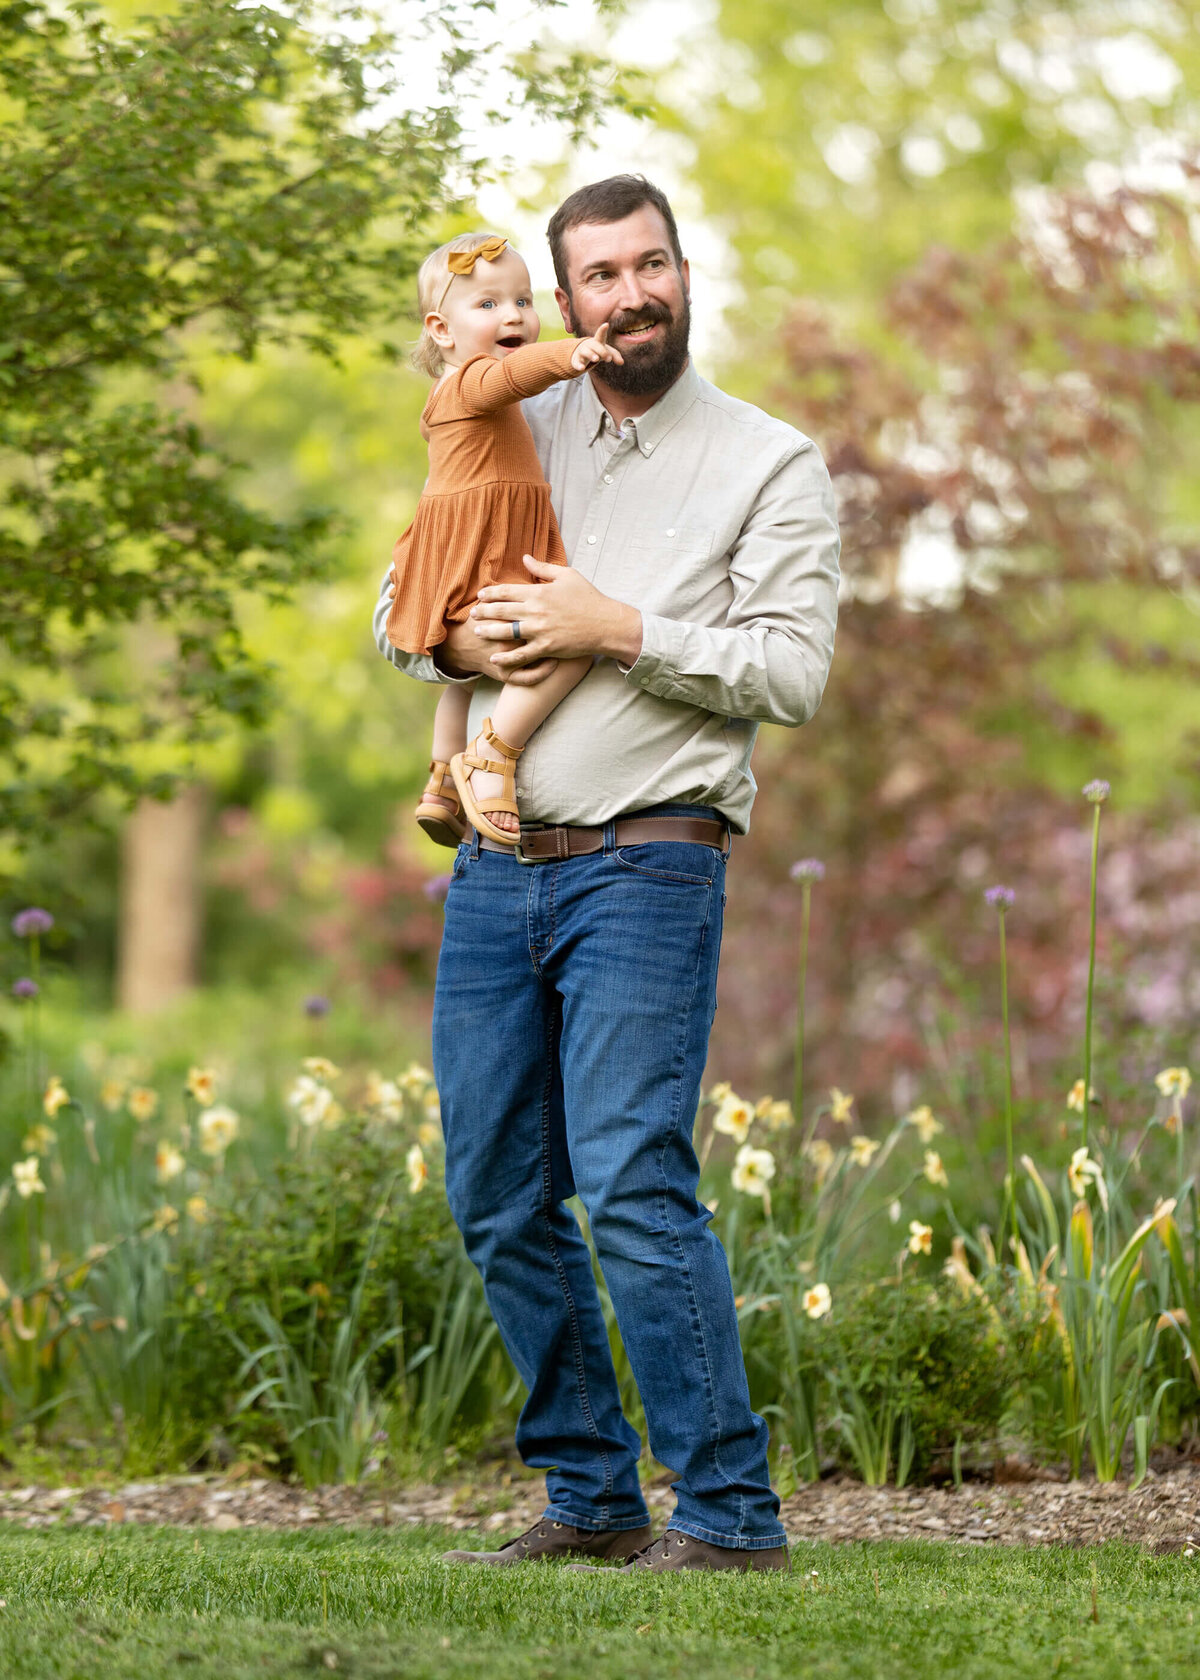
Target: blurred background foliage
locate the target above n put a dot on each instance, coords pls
(893, 184)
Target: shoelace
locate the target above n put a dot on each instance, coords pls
(658, 1548)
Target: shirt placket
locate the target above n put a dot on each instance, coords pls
(602, 503)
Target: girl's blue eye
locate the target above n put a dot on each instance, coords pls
(487, 304)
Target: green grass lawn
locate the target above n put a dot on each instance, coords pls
(140, 1603)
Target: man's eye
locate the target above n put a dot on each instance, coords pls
(600, 274)
(656, 262)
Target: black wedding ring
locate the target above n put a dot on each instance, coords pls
(516, 629)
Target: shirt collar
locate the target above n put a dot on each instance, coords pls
(651, 428)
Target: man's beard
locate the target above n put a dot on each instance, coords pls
(649, 367)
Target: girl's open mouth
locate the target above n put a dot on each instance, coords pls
(512, 342)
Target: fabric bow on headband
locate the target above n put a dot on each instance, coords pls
(463, 262)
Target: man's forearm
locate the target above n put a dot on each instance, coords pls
(621, 634)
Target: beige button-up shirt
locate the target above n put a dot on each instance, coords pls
(718, 522)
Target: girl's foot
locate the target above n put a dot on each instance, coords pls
(485, 777)
(439, 810)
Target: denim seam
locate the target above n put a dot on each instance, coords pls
(565, 1283)
(559, 1513)
(736, 1542)
(697, 1323)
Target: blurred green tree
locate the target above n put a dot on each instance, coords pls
(244, 176)
(833, 142)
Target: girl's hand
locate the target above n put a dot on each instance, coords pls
(589, 351)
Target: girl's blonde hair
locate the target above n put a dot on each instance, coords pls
(433, 279)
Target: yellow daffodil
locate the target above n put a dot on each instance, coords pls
(1082, 1172)
(428, 1134)
(55, 1096)
(433, 1106)
(382, 1097)
(142, 1103)
(861, 1150)
(112, 1094)
(923, 1123)
(1075, 1096)
(1174, 1081)
(920, 1237)
(27, 1179)
(168, 1162)
(933, 1169)
(719, 1092)
(314, 1103)
(418, 1172)
(894, 1211)
(820, 1152)
(734, 1118)
(320, 1067)
(202, 1085)
(39, 1139)
(753, 1170)
(817, 1300)
(166, 1218)
(415, 1080)
(196, 1209)
(840, 1104)
(218, 1127)
(778, 1116)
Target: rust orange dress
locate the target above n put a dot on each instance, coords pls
(485, 502)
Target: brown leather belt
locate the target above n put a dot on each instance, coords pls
(549, 844)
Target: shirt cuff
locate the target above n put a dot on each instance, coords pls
(437, 675)
(656, 668)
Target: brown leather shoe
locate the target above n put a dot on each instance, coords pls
(550, 1539)
(682, 1551)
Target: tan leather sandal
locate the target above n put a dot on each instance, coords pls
(461, 766)
(441, 822)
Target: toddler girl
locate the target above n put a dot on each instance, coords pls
(485, 504)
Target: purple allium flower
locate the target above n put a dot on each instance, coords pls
(25, 988)
(807, 869)
(316, 1007)
(1000, 897)
(27, 923)
(436, 888)
(1097, 792)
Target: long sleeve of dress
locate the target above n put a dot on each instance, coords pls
(483, 384)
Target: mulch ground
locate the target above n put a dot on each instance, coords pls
(1163, 1514)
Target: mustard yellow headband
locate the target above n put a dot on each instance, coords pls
(463, 262)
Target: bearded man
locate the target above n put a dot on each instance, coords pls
(577, 980)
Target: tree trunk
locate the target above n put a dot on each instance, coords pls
(159, 940)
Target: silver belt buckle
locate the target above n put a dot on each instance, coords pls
(520, 855)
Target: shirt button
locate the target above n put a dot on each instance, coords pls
(671, 532)
(608, 478)
(591, 539)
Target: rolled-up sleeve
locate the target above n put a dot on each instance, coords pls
(770, 659)
(418, 665)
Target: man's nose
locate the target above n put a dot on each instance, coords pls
(631, 293)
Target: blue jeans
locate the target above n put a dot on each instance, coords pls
(574, 1002)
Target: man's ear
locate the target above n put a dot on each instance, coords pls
(687, 279)
(439, 332)
(563, 300)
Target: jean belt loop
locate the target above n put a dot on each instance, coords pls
(610, 837)
(475, 843)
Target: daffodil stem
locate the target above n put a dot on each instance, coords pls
(1091, 983)
(1010, 1181)
(798, 1067)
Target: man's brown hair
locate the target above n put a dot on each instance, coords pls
(607, 201)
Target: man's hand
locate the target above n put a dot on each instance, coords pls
(463, 654)
(562, 616)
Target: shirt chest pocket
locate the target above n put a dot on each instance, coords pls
(668, 566)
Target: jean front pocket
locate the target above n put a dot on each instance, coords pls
(684, 861)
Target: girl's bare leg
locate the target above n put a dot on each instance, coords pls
(450, 727)
(517, 713)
